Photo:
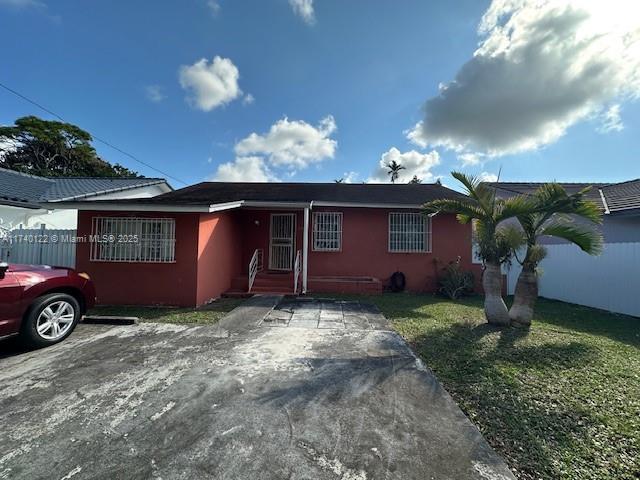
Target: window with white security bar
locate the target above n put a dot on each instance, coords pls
(132, 239)
(409, 232)
(327, 231)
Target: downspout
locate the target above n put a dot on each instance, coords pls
(305, 247)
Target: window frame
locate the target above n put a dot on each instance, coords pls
(428, 233)
(314, 232)
(156, 241)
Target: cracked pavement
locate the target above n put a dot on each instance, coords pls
(239, 400)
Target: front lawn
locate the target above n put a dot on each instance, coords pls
(559, 401)
(207, 314)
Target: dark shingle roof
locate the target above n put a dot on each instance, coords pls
(611, 197)
(22, 188)
(527, 188)
(208, 193)
(622, 196)
(16, 187)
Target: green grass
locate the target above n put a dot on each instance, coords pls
(558, 401)
(208, 314)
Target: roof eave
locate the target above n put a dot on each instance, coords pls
(110, 190)
(19, 204)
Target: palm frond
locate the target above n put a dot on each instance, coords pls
(588, 238)
(468, 181)
(552, 198)
(459, 206)
(512, 235)
(514, 206)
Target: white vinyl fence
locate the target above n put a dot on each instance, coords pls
(39, 247)
(610, 281)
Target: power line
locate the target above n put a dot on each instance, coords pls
(98, 139)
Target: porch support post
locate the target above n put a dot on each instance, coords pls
(305, 249)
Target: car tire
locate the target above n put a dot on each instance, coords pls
(50, 319)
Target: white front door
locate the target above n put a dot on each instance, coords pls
(282, 241)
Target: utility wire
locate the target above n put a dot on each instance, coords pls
(98, 139)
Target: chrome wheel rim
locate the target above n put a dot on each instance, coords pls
(55, 320)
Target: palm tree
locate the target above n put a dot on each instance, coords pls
(339, 180)
(487, 211)
(552, 220)
(394, 170)
(415, 179)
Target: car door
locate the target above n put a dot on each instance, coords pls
(10, 303)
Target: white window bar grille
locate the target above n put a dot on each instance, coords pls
(409, 232)
(133, 239)
(327, 231)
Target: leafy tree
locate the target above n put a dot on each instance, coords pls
(482, 206)
(556, 218)
(53, 149)
(394, 170)
(415, 179)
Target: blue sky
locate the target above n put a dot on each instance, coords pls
(301, 90)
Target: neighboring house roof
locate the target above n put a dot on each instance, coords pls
(21, 189)
(611, 197)
(208, 193)
(621, 197)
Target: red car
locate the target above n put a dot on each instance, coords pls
(42, 304)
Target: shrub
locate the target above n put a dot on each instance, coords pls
(455, 282)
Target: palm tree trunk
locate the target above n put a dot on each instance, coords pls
(525, 296)
(494, 307)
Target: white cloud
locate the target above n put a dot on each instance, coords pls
(287, 147)
(611, 120)
(154, 93)
(470, 158)
(414, 135)
(214, 7)
(210, 85)
(350, 177)
(414, 163)
(542, 66)
(304, 9)
(7, 146)
(245, 169)
(248, 99)
(488, 177)
(294, 144)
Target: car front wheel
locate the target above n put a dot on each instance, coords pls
(51, 319)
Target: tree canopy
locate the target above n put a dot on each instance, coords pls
(53, 149)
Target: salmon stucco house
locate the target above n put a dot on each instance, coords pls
(192, 245)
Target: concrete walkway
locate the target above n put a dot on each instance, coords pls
(325, 313)
(239, 400)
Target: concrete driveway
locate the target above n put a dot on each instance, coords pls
(241, 400)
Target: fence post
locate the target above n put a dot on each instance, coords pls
(40, 243)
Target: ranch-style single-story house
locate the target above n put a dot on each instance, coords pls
(192, 245)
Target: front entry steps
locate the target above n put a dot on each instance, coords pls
(277, 283)
(281, 283)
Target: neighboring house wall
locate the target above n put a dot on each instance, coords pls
(145, 283)
(609, 281)
(615, 229)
